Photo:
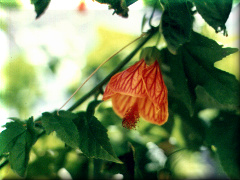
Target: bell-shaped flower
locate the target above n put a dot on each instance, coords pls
(139, 91)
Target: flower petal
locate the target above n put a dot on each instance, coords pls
(129, 82)
(151, 113)
(154, 84)
(121, 103)
(108, 93)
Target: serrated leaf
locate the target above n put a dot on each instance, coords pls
(19, 157)
(213, 52)
(9, 135)
(40, 6)
(176, 23)
(200, 69)
(63, 126)
(18, 140)
(94, 141)
(214, 12)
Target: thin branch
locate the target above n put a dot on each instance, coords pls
(125, 61)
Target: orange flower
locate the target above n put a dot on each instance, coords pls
(139, 91)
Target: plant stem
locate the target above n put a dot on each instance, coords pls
(125, 61)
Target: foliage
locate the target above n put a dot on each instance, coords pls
(97, 146)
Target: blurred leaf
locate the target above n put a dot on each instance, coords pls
(176, 24)
(152, 3)
(20, 86)
(120, 6)
(215, 13)
(223, 133)
(127, 169)
(9, 4)
(94, 141)
(63, 125)
(40, 6)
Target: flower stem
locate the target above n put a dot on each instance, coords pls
(125, 61)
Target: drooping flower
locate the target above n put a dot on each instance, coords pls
(139, 91)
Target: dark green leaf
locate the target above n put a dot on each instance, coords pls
(120, 6)
(181, 89)
(200, 69)
(176, 24)
(213, 52)
(94, 141)
(18, 140)
(19, 157)
(9, 135)
(194, 67)
(40, 6)
(223, 133)
(127, 169)
(91, 107)
(63, 125)
(214, 12)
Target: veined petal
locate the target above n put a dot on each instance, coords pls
(154, 84)
(108, 93)
(151, 113)
(121, 103)
(129, 82)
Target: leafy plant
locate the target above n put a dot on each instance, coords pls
(194, 86)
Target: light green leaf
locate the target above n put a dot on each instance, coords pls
(94, 141)
(63, 126)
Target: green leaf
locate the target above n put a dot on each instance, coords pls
(214, 12)
(176, 23)
(120, 6)
(40, 6)
(193, 67)
(19, 157)
(213, 52)
(200, 69)
(94, 141)
(223, 133)
(9, 4)
(91, 107)
(9, 135)
(17, 140)
(181, 89)
(63, 126)
(127, 169)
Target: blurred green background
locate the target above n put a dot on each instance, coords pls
(43, 61)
